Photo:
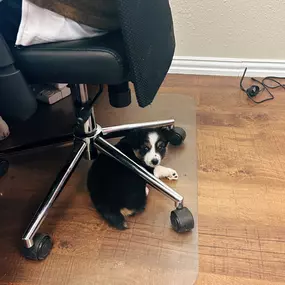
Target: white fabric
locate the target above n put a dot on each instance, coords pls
(40, 25)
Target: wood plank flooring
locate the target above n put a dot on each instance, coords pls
(241, 182)
(241, 159)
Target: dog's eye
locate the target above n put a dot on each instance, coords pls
(161, 146)
(145, 149)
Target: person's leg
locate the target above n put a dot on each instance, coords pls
(10, 18)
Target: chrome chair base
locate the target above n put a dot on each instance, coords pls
(37, 246)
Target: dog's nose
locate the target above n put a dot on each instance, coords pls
(154, 161)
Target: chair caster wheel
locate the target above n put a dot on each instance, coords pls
(41, 248)
(182, 220)
(177, 136)
(4, 165)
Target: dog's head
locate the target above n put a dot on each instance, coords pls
(149, 146)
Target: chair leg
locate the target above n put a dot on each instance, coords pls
(38, 144)
(42, 250)
(118, 131)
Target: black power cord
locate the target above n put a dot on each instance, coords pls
(254, 90)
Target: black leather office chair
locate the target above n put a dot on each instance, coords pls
(141, 53)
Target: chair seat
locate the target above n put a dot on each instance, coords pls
(96, 60)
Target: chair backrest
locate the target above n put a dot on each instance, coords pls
(147, 29)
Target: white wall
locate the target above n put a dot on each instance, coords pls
(230, 28)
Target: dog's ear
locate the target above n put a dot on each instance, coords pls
(165, 134)
(133, 139)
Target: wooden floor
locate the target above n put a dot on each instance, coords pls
(241, 180)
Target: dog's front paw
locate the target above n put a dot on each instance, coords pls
(164, 172)
(173, 175)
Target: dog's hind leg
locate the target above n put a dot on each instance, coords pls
(146, 190)
(114, 218)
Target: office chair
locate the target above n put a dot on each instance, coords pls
(141, 53)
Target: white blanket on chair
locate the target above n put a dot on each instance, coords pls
(40, 25)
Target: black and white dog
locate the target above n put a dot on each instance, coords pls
(115, 190)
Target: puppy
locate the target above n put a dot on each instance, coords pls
(115, 190)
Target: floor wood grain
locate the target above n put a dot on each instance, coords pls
(241, 158)
(241, 182)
